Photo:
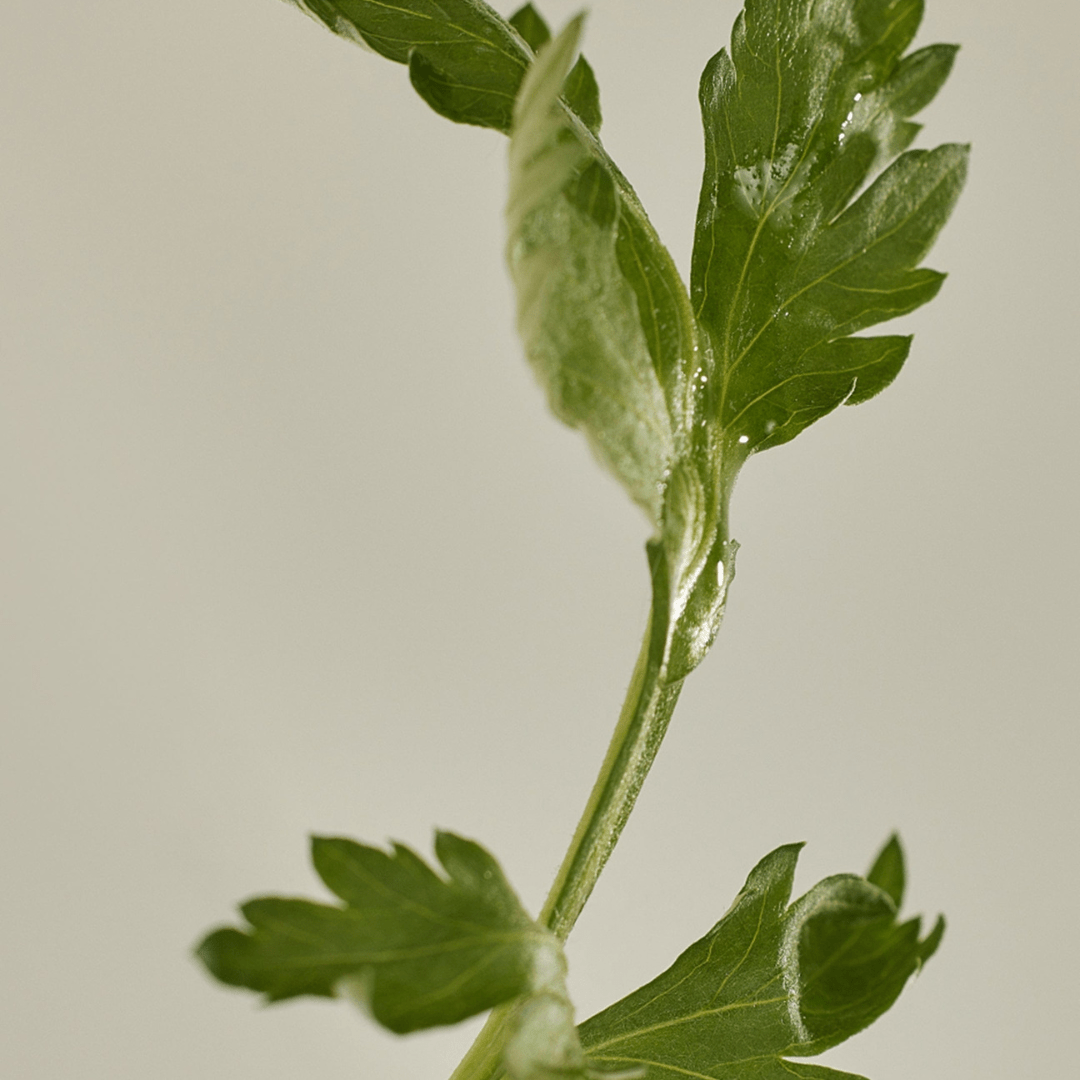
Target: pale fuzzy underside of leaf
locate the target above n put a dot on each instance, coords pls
(543, 1042)
(577, 313)
(613, 323)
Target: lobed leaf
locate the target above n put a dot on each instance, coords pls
(789, 262)
(770, 981)
(811, 101)
(813, 219)
(810, 229)
(416, 948)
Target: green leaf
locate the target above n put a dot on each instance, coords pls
(789, 262)
(464, 59)
(450, 96)
(577, 311)
(769, 982)
(810, 229)
(469, 64)
(416, 948)
(810, 102)
(887, 873)
(918, 78)
(582, 94)
(530, 24)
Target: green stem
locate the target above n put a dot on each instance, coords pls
(643, 721)
(485, 1056)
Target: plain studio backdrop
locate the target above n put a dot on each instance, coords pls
(291, 544)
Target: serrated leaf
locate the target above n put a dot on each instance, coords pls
(577, 312)
(675, 390)
(418, 949)
(789, 262)
(811, 101)
(769, 982)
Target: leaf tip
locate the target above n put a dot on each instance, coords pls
(461, 858)
(929, 945)
(888, 872)
(323, 850)
(568, 39)
(893, 844)
(203, 950)
(960, 153)
(216, 953)
(445, 841)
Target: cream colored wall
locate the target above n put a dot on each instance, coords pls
(290, 544)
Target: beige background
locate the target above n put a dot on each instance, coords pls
(289, 543)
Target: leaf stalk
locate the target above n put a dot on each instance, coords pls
(634, 744)
(646, 711)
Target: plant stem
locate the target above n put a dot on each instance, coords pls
(484, 1058)
(642, 723)
(636, 740)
